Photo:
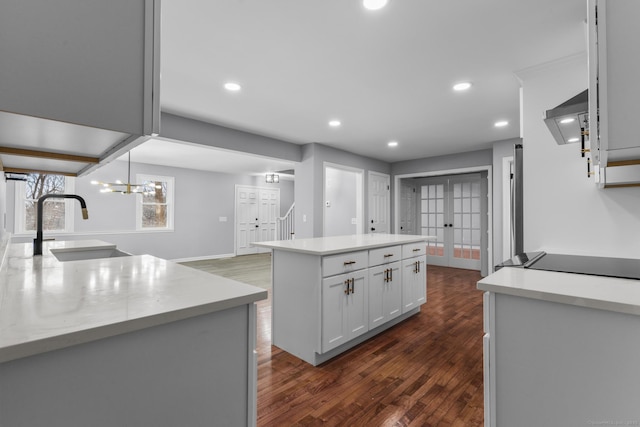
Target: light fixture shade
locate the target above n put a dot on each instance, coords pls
(272, 178)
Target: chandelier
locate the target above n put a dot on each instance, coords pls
(126, 187)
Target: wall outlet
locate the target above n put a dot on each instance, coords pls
(354, 221)
(304, 218)
(222, 219)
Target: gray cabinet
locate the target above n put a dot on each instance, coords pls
(84, 72)
(614, 66)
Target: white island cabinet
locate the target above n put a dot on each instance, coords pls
(332, 293)
(126, 341)
(560, 349)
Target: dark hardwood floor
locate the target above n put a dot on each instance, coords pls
(426, 371)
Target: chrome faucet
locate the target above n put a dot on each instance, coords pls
(37, 242)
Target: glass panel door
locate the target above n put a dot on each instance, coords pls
(465, 197)
(450, 210)
(433, 220)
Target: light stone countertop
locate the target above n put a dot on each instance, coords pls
(46, 304)
(604, 293)
(340, 244)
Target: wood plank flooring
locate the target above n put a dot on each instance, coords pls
(426, 371)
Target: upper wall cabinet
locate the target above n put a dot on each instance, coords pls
(77, 77)
(614, 86)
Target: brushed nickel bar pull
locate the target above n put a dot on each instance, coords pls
(352, 287)
(349, 262)
(416, 250)
(388, 255)
(346, 291)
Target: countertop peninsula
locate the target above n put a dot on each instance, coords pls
(46, 304)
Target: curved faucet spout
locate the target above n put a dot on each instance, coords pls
(37, 242)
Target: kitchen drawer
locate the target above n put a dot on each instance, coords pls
(414, 249)
(344, 263)
(385, 255)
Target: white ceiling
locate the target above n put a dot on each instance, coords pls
(387, 75)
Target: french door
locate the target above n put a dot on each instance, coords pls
(451, 210)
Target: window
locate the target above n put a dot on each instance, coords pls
(155, 208)
(57, 213)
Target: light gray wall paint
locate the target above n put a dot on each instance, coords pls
(310, 182)
(201, 198)
(185, 129)
(564, 212)
(341, 194)
(501, 149)
(448, 162)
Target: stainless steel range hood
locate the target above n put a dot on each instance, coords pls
(567, 120)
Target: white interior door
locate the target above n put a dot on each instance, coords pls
(379, 203)
(256, 213)
(408, 207)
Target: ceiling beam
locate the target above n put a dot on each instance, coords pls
(48, 172)
(47, 155)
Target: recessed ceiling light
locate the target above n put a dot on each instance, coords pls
(334, 123)
(573, 139)
(567, 120)
(461, 86)
(232, 87)
(374, 4)
(392, 143)
(501, 123)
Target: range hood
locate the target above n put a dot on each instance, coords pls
(567, 120)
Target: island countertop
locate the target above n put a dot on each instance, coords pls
(46, 304)
(584, 290)
(340, 244)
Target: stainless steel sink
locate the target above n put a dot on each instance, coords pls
(87, 253)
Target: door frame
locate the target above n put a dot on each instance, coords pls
(359, 194)
(485, 267)
(235, 213)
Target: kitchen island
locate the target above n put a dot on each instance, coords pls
(560, 349)
(332, 293)
(129, 340)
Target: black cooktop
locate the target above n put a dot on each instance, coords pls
(598, 266)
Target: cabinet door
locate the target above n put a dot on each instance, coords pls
(357, 304)
(392, 303)
(334, 320)
(345, 308)
(414, 282)
(385, 293)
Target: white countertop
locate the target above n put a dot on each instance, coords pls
(605, 293)
(46, 304)
(340, 244)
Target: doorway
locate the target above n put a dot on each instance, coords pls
(451, 209)
(457, 203)
(257, 210)
(343, 200)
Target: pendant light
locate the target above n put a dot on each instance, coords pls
(125, 187)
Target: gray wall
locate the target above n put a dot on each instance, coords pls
(310, 182)
(564, 211)
(184, 129)
(201, 198)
